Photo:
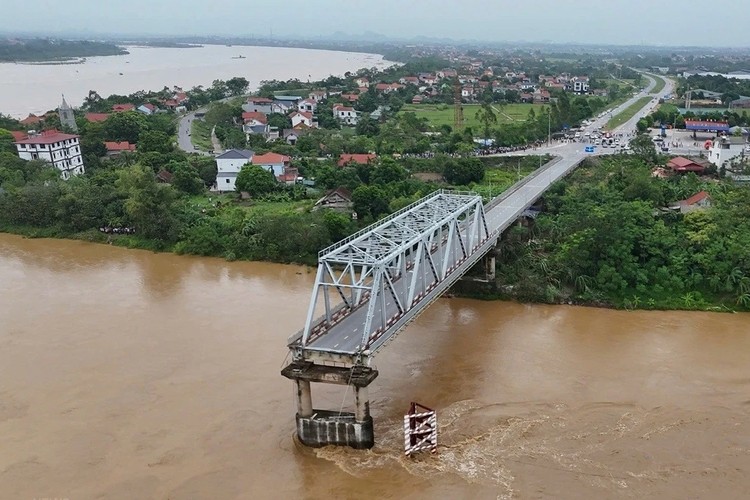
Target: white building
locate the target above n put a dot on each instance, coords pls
(228, 165)
(61, 150)
(580, 84)
(345, 114)
(723, 149)
(303, 119)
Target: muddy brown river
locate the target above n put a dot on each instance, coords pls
(131, 375)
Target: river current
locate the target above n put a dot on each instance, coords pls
(128, 374)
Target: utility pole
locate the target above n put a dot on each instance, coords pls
(549, 127)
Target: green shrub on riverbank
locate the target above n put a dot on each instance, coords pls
(606, 237)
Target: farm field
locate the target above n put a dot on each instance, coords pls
(442, 114)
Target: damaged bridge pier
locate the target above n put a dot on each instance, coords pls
(319, 427)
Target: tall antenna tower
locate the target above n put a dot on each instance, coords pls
(458, 109)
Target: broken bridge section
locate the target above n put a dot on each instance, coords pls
(370, 285)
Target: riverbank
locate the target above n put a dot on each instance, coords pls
(37, 88)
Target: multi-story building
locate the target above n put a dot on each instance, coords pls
(61, 150)
(228, 165)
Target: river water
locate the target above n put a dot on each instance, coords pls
(26, 88)
(127, 374)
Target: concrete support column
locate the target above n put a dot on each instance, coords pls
(304, 398)
(361, 404)
(490, 267)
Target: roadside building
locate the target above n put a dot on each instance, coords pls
(683, 165)
(723, 149)
(61, 150)
(228, 165)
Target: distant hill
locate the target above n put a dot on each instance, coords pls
(46, 49)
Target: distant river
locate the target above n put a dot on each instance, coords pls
(26, 88)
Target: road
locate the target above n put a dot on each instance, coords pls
(183, 134)
(346, 336)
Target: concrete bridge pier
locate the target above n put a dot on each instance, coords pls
(324, 427)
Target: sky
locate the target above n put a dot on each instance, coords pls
(617, 22)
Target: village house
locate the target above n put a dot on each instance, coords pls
(307, 105)
(146, 109)
(541, 96)
(96, 117)
(362, 82)
(317, 95)
(258, 105)
(345, 114)
(119, 108)
(255, 123)
(409, 80)
(447, 73)
(273, 162)
(339, 199)
(61, 150)
(116, 148)
(698, 201)
(350, 97)
(361, 159)
(683, 165)
(302, 119)
(32, 120)
(228, 165)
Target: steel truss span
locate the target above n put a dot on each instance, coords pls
(370, 285)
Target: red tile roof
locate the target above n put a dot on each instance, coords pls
(259, 100)
(306, 114)
(32, 120)
(362, 159)
(339, 107)
(97, 117)
(119, 146)
(270, 159)
(255, 115)
(18, 135)
(47, 137)
(695, 198)
(681, 164)
(123, 107)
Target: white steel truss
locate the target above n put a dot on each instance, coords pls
(378, 276)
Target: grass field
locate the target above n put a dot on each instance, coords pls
(660, 83)
(628, 113)
(200, 135)
(442, 114)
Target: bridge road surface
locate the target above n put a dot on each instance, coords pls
(346, 336)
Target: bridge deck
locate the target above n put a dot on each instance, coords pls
(343, 339)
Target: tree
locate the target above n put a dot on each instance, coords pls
(155, 141)
(237, 85)
(125, 126)
(186, 179)
(387, 171)
(369, 201)
(279, 120)
(644, 147)
(487, 118)
(463, 171)
(148, 205)
(367, 126)
(6, 141)
(255, 180)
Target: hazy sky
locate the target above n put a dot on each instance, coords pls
(584, 21)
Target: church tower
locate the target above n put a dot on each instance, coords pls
(67, 119)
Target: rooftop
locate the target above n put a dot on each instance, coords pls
(48, 137)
